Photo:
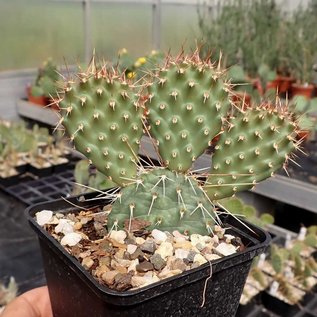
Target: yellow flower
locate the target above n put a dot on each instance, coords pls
(154, 52)
(131, 75)
(140, 61)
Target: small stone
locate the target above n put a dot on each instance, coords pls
(170, 237)
(71, 239)
(166, 272)
(100, 229)
(131, 248)
(144, 266)
(191, 255)
(212, 257)
(138, 254)
(149, 246)
(181, 253)
(117, 244)
(199, 259)
(228, 238)
(100, 270)
(133, 264)
(137, 281)
(109, 276)
(206, 250)
(122, 282)
(119, 254)
(106, 246)
(84, 254)
(183, 245)
(87, 263)
(118, 236)
(44, 217)
(130, 240)
(179, 237)
(215, 239)
(197, 238)
(159, 236)
(195, 265)
(84, 220)
(177, 264)
(64, 226)
(105, 260)
(157, 261)
(123, 262)
(200, 246)
(139, 240)
(237, 242)
(146, 279)
(118, 267)
(165, 250)
(225, 249)
(219, 231)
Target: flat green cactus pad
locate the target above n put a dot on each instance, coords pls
(187, 103)
(102, 116)
(255, 145)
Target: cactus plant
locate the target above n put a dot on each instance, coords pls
(182, 106)
(45, 83)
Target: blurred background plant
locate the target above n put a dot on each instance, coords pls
(45, 82)
(253, 33)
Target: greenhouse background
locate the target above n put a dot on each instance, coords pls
(268, 49)
(59, 28)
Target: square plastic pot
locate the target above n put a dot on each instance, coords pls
(74, 292)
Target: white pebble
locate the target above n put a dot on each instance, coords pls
(133, 264)
(64, 226)
(181, 253)
(200, 259)
(131, 248)
(44, 217)
(229, 237)
(165, 250)
(225, 249)
(71, 239)
(119, 235)
(199, 239)
(139, 240)
(212, 256)
(159, 236)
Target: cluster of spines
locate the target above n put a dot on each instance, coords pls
(167, 200)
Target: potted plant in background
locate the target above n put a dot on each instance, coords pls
(188, 102)
(43, 90)
(303, 49)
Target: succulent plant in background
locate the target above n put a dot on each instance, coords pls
(238, 207)
(88, 179)
(181, 106)
(45, 83)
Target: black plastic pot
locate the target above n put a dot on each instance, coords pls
(9, 181)
(41, 172)
(74, 292)
(278, 306)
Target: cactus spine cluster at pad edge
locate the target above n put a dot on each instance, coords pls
(187, 104)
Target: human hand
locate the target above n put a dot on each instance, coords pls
(34, 303)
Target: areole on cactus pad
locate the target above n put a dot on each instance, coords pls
(182, 106)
